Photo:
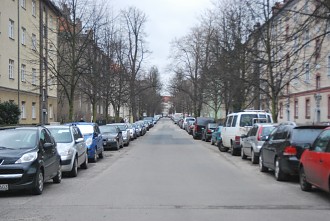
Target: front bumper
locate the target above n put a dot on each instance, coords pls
(19, 176)
(67, 163)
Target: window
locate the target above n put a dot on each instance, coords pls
(306, 37)
(34, 7)
(308, 109)
(281, 110)
(34, 42)
(23, 110)
(318, 81)
(23, 3)
(296, 109)
(328, 65)
(50, 111)
(34, 114)
(23, 36)
(317, 49)
(23, 72)
(11, 29)
(34, 76)
(307, 73)
(11, 69)
(328, 106)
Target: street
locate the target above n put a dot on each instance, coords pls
(166, 175)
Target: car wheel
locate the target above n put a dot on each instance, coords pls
(262, 168)
(118, 146)
(101, 155)
(212, 142)
(74, 170)
(254, 158)
(222, 148)
(58, 177)
(233, 151)
(94, 159)
(304, 185)
(279, 174)
(39, 187)
(85, 164)
(243, 156)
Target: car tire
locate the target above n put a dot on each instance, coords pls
(279, 174)
(212, 142)
(85, 164)
(58, 177)
(304, 185)
(222, 148)
(243, 156)
(39, 187)
(94, 159)
(117, 146)
(254, 158)
(74, 170)
(262, 168)
(101, 155)
(233, 151)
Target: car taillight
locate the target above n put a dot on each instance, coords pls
(290, 151)
(237, 140)
(209, 131)
(195, 127)
(259, 134)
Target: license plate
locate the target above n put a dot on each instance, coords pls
(3, 187)
(104, 143)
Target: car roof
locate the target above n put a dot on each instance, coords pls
(81, 123)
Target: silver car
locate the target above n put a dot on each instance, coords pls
(125, 132)
(71, 147)
(254, 139)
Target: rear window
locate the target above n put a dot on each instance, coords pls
(305, 135)
(267, 130)
(61, 135)
(212, 125)
(247, 119)
(204, 121)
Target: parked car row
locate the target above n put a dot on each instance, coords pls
(288, 149)
(32, 155)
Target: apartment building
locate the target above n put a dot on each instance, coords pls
(300, 64)
(28, 36)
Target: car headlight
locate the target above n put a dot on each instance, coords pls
(89, 141)
(28, 157)
(66, 152)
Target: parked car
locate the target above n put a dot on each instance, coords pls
(190, 127)
(142, 126)
(240, 123)
(137, 129)
(199, 126)
(150, 121)
(176, 117)
(254, 139)
(282, 150)
(71, 147)
(186, 122)
(216, 137)
(207, 132)
(28, 158)
(314, 167)
(131, 131)
(93, 139)
(112, 137)
(125, 132)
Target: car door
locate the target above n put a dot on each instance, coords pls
(269, 148)
(98, 139)
(317, 161)
(50, 154)
(80, 147)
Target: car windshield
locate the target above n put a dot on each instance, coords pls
(305, 135)
(61, 135)
(86, 129)
(108, 129)
(122, 127)
(18, 138)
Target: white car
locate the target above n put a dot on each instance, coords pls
(240, 123)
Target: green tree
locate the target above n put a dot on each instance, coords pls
(9, 113)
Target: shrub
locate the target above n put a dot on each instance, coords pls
(9, 113)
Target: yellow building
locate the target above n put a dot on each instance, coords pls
(28, 33)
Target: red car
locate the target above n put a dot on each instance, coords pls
(315, 164)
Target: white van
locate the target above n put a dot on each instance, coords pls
(239, 123)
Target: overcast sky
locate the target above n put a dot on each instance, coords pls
(167, 20)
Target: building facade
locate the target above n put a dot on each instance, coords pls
(28, 32)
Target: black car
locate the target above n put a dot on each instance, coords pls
(282, 150)
(209, 129)
(28, 158)
(112, 137)
(200, 125)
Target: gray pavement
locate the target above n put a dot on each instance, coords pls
(166, 175)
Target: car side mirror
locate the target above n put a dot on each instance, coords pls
(265, 138)
(79, 140)
(48, 146)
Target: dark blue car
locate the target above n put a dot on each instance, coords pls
(93, 138)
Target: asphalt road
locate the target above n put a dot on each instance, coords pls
(166, 175)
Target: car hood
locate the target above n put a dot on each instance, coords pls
(9, 156)
(64, 146)
(109, 135)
